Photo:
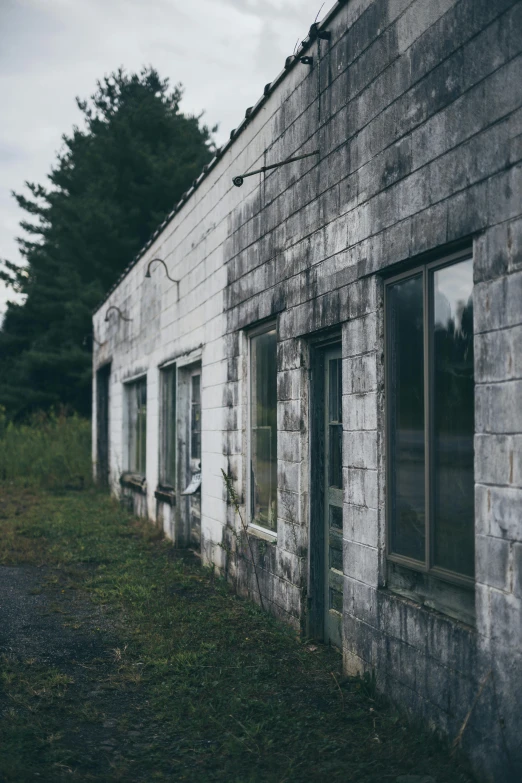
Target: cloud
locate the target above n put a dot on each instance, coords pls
(223, 51)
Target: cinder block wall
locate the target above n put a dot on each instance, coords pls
(415, 107)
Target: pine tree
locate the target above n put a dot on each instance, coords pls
(113, 183)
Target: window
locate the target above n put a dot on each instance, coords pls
(263, 429)
(137, 422)
(195, 417)
(168, 428)
(430, 420)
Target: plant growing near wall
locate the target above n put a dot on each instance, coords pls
(235, 502)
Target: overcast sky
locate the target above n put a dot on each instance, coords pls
(222, 51)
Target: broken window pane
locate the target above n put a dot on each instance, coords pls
(263, 429)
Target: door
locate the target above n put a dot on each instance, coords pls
(102, 425)
(333, 497)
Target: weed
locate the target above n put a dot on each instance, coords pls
(235, 502)
(52, 450)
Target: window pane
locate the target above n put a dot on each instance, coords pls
(335, 414)
(142, 426)
(168, 469)
(137, 417)
(263, 435)
(453, 408)
(195, 418)
(406, 411)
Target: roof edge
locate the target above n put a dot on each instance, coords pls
(250, 113)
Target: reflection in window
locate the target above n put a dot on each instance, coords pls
(453, 424)
(444, 520)
(195, 417)
(405, 313)
(263, 429)
(137, 419)
(168, 453)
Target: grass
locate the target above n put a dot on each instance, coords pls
(168, 674)
(51, 450)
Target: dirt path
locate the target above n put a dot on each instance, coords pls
(122, 660)
(60, 661)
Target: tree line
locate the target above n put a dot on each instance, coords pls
(113, 183)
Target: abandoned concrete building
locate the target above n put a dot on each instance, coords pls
(332, 315)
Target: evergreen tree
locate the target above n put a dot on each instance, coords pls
(114, 181)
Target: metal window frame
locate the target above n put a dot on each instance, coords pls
(266, 326)
(426, 269)
(166, 370)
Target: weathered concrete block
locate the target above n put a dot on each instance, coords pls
(361, 524)
(288, 476)
(360, 600)
(498, 355)
(360, 449)
(360, 374)
(361, 487)
(507, 628)
(360, 411)
(500, 251)
(492, 562)
(361, 562)
(498, 408)
(497, 304)
(360, 336)
(289, 415)
(498, 459)
(289, 446)
(418, 18)
(498, 511)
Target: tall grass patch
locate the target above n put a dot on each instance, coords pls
(52, 451)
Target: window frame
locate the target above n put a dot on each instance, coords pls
(130, 389)
(165, 371)
(426, 269)
(267, 326)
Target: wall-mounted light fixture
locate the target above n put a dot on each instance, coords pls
(85, 341)
(115, 307)
(98, 343)
(238, 181)
(161, 261)
(315, 32)
(306, 60)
